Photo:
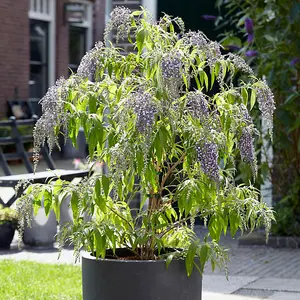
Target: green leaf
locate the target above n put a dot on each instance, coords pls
(190, 257)
(98, 188)
(245, 96)
(169, 259)
(92, 103)
(215, 227)
(136, 13)
(234, 222)
(47, 201)
(140, 38)
(105, 184)
(92, 138)
(100, 201)
(203, 256)
(56, 207)
(110, 69)
(100, 243)
(252, 99)
(74, 204)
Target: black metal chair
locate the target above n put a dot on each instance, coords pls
(18, 140)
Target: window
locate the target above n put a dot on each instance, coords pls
(77, 46)
(38, 83)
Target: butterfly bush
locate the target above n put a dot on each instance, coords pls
(90, 60)
(207, 155)
(169, 121)
(265, 99)
(120, 20)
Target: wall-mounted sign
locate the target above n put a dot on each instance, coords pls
(75, 12)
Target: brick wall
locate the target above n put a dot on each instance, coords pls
(14, 51)
(99, 20)
(62, 41)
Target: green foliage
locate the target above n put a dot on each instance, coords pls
(22, 280)
(8, 215)
(288, 212)
(158, 136)
(276, 40)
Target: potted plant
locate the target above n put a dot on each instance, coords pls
(8, 225)
(168, 121)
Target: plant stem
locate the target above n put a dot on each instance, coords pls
(120, 216)
(169, 172)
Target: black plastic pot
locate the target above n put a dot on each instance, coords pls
(111, 279)
(7, 231)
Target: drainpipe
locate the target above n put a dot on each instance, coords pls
(151, 5)
(108, 9)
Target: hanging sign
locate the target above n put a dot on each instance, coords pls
(75, 12)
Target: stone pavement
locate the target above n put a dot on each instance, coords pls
(255, 272)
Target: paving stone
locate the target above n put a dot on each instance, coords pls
(285, 296)
(276, 284)
(217, 296)
(264, 294)
(219, 283)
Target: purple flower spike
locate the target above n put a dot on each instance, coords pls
(233, 48)
(295, 61)
(250, 38)
(209, 17)
(249, 25)
(251, 53)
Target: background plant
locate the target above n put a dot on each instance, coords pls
(8, 215)
(173, 144)
(266, 32)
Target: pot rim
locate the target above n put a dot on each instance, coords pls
(88, 255)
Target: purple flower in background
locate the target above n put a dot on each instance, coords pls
(251, 53)
(295, 61)
(209, 17)
(250, 38)
(249, 25)
(233, 48)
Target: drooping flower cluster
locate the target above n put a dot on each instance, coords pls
(213, 53)
(208, 155)
(198, 105)
(196, 39)
(120, 20)
(119, 162)
(171, 65)
(245, 115)
(211, 49)
(53, 116)
(145, 110)
(246, 147)
(265, 99)
(88, 64)
(239, 63)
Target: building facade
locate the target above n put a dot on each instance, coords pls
(42, 40)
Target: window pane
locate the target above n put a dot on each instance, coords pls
(77, 46)
(38, 83)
